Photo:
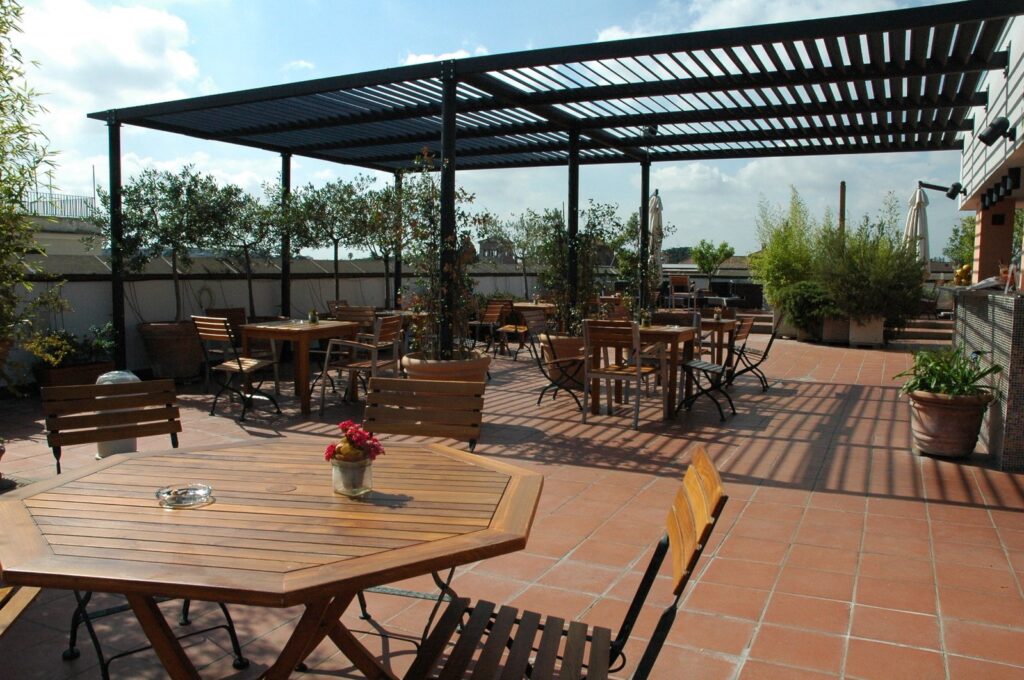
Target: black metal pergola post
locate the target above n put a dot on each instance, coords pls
(399, 216)
(286, 236)
(645, 228)
(573, 216)
(116, 244)
(449, 233)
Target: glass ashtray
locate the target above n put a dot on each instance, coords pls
(185, 495)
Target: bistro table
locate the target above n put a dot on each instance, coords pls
(548, 308)
(673, 336)
(276, 535)
(301, 333)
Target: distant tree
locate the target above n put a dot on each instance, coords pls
(677, 254)
(379, 227)
(708, 257)
(248, 232)
(960, 246)
(520, 235)
(333, 213)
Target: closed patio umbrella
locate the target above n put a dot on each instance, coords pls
(657, 235)
(917, 224)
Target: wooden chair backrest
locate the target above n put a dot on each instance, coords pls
(428, 408)
(215, 329)
(711, 481)
(387, 328)
(679, 283)
(234, 315)
(364, 316)
(693, 515)
(14, 600)
(334, 305)
(743, 331)
(600, 334)
(536, 321)
(673, 318)
(83, 414)
(682, 538)
(496, 311)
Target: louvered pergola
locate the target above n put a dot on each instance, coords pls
(902, 80)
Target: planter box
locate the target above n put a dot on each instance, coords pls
(835, 331)
(871, 333)
(83, 374)
(173, 348)
(784, 329)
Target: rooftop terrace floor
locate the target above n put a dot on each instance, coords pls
(840, 553)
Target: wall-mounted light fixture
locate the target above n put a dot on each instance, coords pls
(999, 127)
(952, 191)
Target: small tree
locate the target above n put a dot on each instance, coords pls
(787, 251)
(334, 213)
(381, 229)
(248, 232)
(520, 235)
(708, 257)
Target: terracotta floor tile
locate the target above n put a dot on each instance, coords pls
(758, 550)
(962, 668)
(971, 605)
(886, 544)
(834, 518)
(903, 527)
(896, 594)
(814, 583)
(896, 568)
(965, 534)
(698, 665)
(975, 555)
(581, 576)
(773, 511)
(760, 575)
(765, 529)
(838, 501)
(708, 631)
(869, 659)
(1013, 540)
(795, 611)
(829, 537)
(899, 627)
(523, 566)
(552, 601)
(989, 642)
(618, 555)
(800, 648)
(824, 559)
(717, 598)
(939, 512)
(896, 508)
(760, 670)
(994, 581)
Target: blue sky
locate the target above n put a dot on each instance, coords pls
(96, 55)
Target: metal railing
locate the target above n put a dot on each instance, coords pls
(58, 205)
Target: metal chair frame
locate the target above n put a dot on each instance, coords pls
(218, 329)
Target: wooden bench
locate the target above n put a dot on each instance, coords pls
(426, 408)
(14, 600)
(85, 414)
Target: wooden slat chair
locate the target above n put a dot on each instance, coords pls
(258, 348)
(14, 600)
(493, 316)
(740, 338)
(612, 351)
(84, 414)
(679, 291)
(374, 353)
(334, 305)
(562, 372)
(533, 323)
(218, 330)
(484, 641)
(425, 408)
(715, 379)
(87, 414)
(750, 360)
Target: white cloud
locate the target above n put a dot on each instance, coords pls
(299, 65)
(426, 58)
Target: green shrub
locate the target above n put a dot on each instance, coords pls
(948, 371)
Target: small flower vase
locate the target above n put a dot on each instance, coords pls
(352, 478)
(718, 316)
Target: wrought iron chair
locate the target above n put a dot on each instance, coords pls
(562, 372)
(213, 329)
(715, 378)
(490, 642)
(534, 322)
(749, 360)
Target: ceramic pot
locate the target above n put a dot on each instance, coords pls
(946, 425)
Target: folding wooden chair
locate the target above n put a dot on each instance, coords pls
(494, 315)
(534, 322)
(611, 350)
(258, 348)
(371, 354)
(751, 358)
(715, 378)
(213, 329)
(482, 640)
(679, 291)
(83, 414)
(563, 372)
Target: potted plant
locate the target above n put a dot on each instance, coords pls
(67, 359)
(351, 458)
(429, 360)
(805, 304)
(947, 400)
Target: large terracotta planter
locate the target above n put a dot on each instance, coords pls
(835, 330)
(783, 327)
(946, 425)
(473, 369)
(173, 348)
(870, 333)
(83, 374)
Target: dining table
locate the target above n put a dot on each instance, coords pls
(679, 342)
(301, 334)
(721, 332)
(275, 534)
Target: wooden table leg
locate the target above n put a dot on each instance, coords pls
(359, 655)
(160, 635)
(313, 626)
(302, 373)
(669, 400)
(595, 388)
(688, 356)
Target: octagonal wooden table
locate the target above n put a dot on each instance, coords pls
(276, 535)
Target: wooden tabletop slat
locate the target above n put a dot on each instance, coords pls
(275, 535)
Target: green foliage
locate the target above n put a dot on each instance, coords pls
(522, 236)
(805, 304)
(676, 254)
(787, 253)
(708, 257)
(61, 348)
(948, 371)
(960, 246)
(873, 271)
(22, 152)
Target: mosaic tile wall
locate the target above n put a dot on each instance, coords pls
(994, 324)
